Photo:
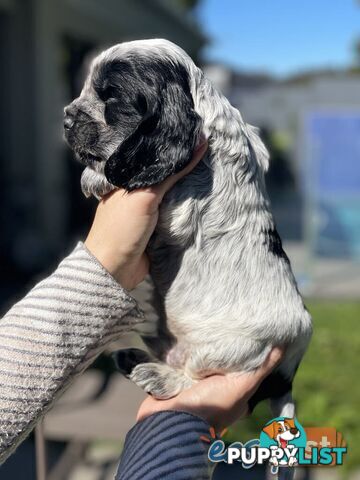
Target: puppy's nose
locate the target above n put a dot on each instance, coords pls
(69, 117)
(68, 122)
(293, 431)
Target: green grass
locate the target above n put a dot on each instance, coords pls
(327, 384)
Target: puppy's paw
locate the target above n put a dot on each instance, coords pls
(151, 378)
(94, 183)
(159, 379)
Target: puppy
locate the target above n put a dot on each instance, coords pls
(225, 292)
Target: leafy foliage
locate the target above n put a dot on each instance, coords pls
(189, 4)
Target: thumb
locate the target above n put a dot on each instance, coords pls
(272, 360)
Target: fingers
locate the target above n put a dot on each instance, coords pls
(220, 399)
(198, 154)
(249, 382)
(156, 193)
(270, 363)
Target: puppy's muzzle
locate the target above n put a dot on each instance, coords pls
(82, 134)
(68, 122)
(69, 118)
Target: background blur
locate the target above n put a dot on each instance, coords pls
(293, 69)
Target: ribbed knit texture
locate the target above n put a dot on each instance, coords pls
(166, 446)
(52, 335)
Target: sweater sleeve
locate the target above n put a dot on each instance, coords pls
(166, 446)
(52, 335)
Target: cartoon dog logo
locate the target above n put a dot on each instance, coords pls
(282, 432)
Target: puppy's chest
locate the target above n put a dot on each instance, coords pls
(166, 262)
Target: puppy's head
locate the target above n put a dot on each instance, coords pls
(135, 115)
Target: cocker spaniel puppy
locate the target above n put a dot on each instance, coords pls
(225, 291)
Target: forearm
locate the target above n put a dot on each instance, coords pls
(166, 445)
(52, 335)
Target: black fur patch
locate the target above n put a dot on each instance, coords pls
(274, 386)
(127, 359)
(149, 101)
(274, 244)
(115, 85)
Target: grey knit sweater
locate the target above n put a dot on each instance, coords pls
(52, 335)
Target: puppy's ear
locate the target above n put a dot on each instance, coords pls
(258, 151)
(161, 145)
(270, 430)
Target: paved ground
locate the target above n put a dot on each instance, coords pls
(324, 278)
(108, 418)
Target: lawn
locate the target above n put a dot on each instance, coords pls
(327, 385)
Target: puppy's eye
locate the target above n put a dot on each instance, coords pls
(108, 93)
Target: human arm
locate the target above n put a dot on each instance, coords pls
(64, 322)
(166, 443)
(52, 335)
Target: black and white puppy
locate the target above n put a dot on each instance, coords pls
(226, 294)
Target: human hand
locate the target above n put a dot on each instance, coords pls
(219, 399)
(124, 222)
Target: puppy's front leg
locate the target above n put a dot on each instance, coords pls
(284, 407)
(158, 379)
(94, 183)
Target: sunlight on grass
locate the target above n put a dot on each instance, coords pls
(326, 389)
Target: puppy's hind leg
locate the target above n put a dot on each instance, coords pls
(284, 407)
(159, 379)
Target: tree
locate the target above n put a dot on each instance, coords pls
(189, 4)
